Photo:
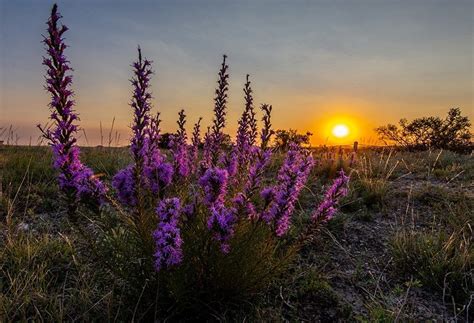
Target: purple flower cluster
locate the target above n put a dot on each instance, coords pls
(141, 184)
(76, 180)
(222, 219)
(150, 171)
(167, 235)
(221, 223)
(338, 189)
(291, 178)
(214, 184)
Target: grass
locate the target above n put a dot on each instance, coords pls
(51, 271)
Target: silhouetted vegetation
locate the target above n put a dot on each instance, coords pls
(283, 139)
(452, 133)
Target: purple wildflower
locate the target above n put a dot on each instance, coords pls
(251, 120)
(338, 189)
(125, 185)
(221, 219)
(214, 183)
(221, 223)
(220, 112)
(141, 131)
(252, 184)
(167, 235)
(149, 170)
(153, 134)
(230, 161)
(180, 148)
(158, 173)
(141, 107)
(266, 133)
(291, 178)
(76, 180)
(247, 130)
(194, 150)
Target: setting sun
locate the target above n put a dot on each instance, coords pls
(340, 131)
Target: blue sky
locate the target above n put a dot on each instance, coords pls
(369, 62)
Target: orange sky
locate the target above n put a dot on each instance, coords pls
(318, 63)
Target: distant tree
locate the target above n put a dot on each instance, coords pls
(283, 138)
(452, 133)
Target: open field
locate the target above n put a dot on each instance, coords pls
(399, 248)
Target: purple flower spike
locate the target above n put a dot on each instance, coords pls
(220, 111)
(247, 130)
(255, 175)
(328, 206)
(291, 178)
(167, 235)
(267, 131)
(194, 150)
(141, 107)
(222, 219)
(180, 148)
(214, 183)
(76, 180)
(149, 171)
(221, 223)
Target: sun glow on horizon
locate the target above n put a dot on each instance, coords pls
(340, 131)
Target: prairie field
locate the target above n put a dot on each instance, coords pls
(399, 248)
(279, 191)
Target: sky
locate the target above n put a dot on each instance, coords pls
(319, 63)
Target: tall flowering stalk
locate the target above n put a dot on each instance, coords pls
(260, 158)
(75, 180)
(141, 106)
(328, 206)
(194, 150)
(247, 130)
(149, 171)
(267, 131)
(252, 121)
(167, 236)
(180, 148)
(291, 178)
(220, 111)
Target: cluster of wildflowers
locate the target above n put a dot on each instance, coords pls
(167, 235)
(327, 208)
(222, 198)
(76, 180)
(291, 179)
